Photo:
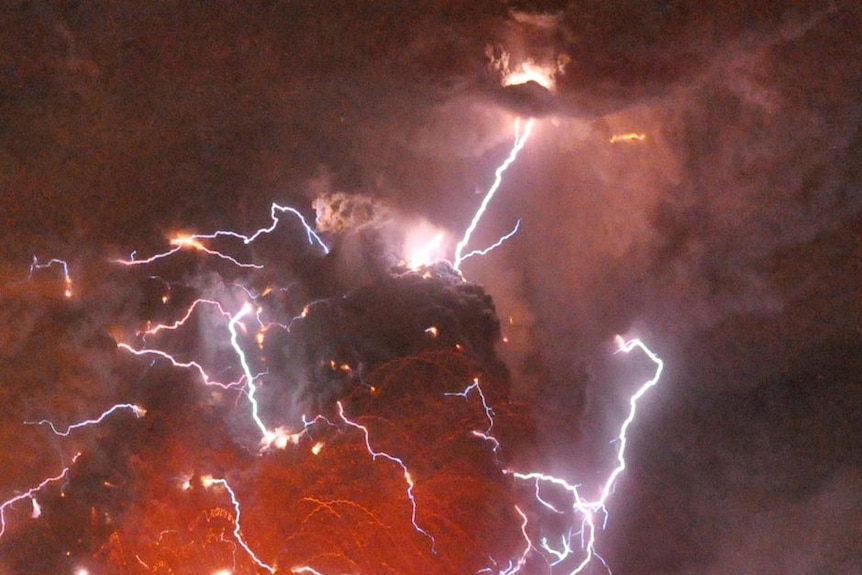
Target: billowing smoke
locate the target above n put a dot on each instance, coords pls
(391, 351)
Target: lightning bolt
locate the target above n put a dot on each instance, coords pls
(589, 513)
(589, 509)
(495, 245)
(489, 412)
(136, 409)
(251, 387)
(520, 142)
(181, 322)
(248, 378)
(67, 278)
(237, 530)
(378, 454)
(31, 494)
(196, 241)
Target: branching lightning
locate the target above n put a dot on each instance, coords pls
(588, 510)
(377, 454)
(489, 412)
(520, 141)
(195, 241)
(574, 549)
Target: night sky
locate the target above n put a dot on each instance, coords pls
(728, 237)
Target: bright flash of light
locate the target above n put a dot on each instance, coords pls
(378, 454)
(529, 71)
(237, 530)
(280, 437)
(31, 495)
(520, 141)
(67, 279)
(628, 137)
(136, 409)
(588, 510)
(427, 253)
(196, 241)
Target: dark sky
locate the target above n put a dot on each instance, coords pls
(729, 239)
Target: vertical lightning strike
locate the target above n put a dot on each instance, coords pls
(407, 477)
(523, 558)
(587, 509)
(136, 409)
(67, 279)
(520, 141)
(626, 347)
(31, 495)
(237, 530)
(513, 568)
(252, 388)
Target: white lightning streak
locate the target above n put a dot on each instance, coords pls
(520, 141)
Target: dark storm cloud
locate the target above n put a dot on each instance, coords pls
(344, 337)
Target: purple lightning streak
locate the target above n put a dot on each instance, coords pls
(136, 409)
(273, 211)
(67, 279)
(520, 141)
(237, 530)
(195, 240)
(585, 508)
(31, 495)
(495, 245)
(489, 412)
(180, 322)
(407, 477)
(248, 378)
(193, 365)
